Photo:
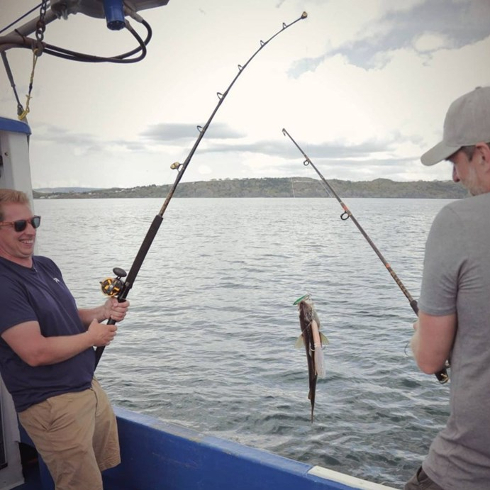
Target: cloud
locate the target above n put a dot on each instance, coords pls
(426, 26)
(169, 132)
(285, 148)
(362, 86)
(83, 143)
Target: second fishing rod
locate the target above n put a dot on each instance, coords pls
(442, 376)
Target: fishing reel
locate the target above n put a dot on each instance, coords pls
(112, 286)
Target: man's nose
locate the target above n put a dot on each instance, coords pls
(455, 174)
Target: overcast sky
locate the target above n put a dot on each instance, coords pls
(362, 85)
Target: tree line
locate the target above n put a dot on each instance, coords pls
(296, 187)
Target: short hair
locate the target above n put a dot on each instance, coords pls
(11, 196)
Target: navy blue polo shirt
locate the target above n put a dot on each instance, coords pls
(40, 294)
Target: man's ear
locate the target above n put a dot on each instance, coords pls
(484, 149)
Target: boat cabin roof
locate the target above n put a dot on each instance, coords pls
(14, 126)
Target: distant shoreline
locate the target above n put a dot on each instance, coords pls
(299, 187)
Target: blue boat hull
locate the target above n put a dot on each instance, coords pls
(160, 456)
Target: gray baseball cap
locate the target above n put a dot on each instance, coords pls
(467, 123)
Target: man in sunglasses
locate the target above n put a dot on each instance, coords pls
(47, 357)
(454, 306)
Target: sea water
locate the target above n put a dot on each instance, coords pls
(209, 339)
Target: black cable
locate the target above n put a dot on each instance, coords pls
(88, 58)
(20, 18)
(20, 108)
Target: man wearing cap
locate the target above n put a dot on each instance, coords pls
(454, 307)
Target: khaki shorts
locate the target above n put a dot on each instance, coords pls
(76, 435)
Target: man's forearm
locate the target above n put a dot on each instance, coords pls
(59, 349)
(432, 341)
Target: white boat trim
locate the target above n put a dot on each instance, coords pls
(350, 481)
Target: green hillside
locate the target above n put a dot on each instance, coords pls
(274, 187)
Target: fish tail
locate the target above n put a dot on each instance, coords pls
(311, 397)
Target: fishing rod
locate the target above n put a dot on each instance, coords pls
(442, 375)
(120, 288)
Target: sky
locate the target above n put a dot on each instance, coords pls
(362, 86)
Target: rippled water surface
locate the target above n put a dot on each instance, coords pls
(209, 341)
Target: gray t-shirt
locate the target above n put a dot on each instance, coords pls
(456, 279)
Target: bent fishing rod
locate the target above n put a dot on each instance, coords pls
(442, 375)
(120, 288)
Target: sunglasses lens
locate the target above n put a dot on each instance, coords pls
(36, 221)
(20, 225)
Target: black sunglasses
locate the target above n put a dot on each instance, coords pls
(21, 224)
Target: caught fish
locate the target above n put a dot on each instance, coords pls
(313, 341)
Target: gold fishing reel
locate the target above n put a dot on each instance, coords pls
(112, 285)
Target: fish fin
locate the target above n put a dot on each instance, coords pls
(324, 339)
(319, 364)
(315, 332)
(317, 320)
(299, 342)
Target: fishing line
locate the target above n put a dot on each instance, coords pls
(442, 375)
(121, 288)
